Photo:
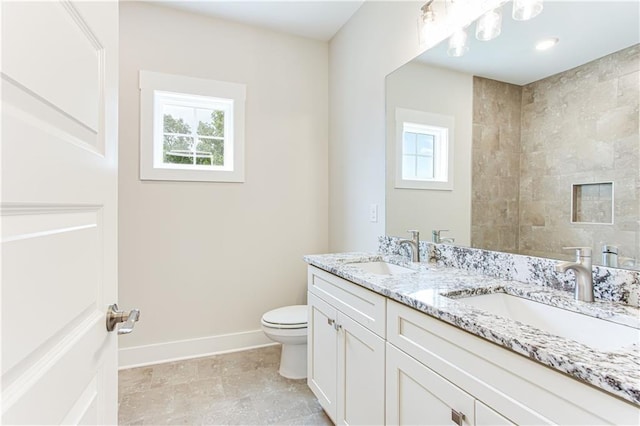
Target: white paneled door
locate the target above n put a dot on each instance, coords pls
(59, 211)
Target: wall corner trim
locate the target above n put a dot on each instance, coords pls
(158, 353)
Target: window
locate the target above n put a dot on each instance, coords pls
(191, 129)
(192, 132)
(424, 157)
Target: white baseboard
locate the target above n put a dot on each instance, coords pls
(158, 353)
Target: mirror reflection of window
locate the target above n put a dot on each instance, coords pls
(417, 153)
(424, 157)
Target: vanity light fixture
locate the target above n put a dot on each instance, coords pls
(547, 43)
(489, 25)
(523, 10)
(455, 7)
(428, 15)
(458, 43)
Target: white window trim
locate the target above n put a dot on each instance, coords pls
(149, 167)
(443, 178)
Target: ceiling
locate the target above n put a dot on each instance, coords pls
(587, 30)
(314, 19)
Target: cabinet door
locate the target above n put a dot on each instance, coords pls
(360, 374)
(418, 396)
(321, 353)
(486, 416)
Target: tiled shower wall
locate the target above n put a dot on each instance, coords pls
(579, 126)
(495, 165)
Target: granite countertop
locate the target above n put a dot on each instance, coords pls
(433, 290)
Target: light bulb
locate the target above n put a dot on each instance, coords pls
(458, 43)
(428, 14)
(489, 25)
(426, 18)
(523, 10)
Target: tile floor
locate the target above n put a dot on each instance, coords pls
(241, 388)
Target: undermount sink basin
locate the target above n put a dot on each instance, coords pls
(383, 268)
(591, 331)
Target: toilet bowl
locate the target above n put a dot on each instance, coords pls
(288, 326)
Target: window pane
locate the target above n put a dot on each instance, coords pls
(425, 144)
(177, 149)
(210, 122)
(408, 143)
(177, 119)
(210, 152)
(424, 168)
(408, 167)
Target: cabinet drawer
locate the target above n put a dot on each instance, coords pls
(362, 305)
(416, 395)
(485, 416)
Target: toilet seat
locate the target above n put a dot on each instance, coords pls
(288, 317)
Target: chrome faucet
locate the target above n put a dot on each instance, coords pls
(582, 270)
(414, 243)
(435, 237)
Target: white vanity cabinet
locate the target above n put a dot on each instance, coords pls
(433, 364)
(374, 361)
(346, 353)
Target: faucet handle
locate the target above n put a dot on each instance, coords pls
(580, 251)
(414, 233)
(435, 234)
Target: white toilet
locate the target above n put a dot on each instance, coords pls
(288, 325)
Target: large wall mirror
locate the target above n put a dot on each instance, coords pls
(543, 146)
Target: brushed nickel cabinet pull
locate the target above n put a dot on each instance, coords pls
(457, 417)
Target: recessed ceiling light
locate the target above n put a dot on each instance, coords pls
(547, 43)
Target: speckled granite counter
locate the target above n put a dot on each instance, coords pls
(433, 290)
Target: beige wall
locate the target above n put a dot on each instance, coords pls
(208, 259)
(379, 38)
(434, 90)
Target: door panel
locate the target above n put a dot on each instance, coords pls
(59, 211)
(53, 36)
(57, 380)
(31, 259)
